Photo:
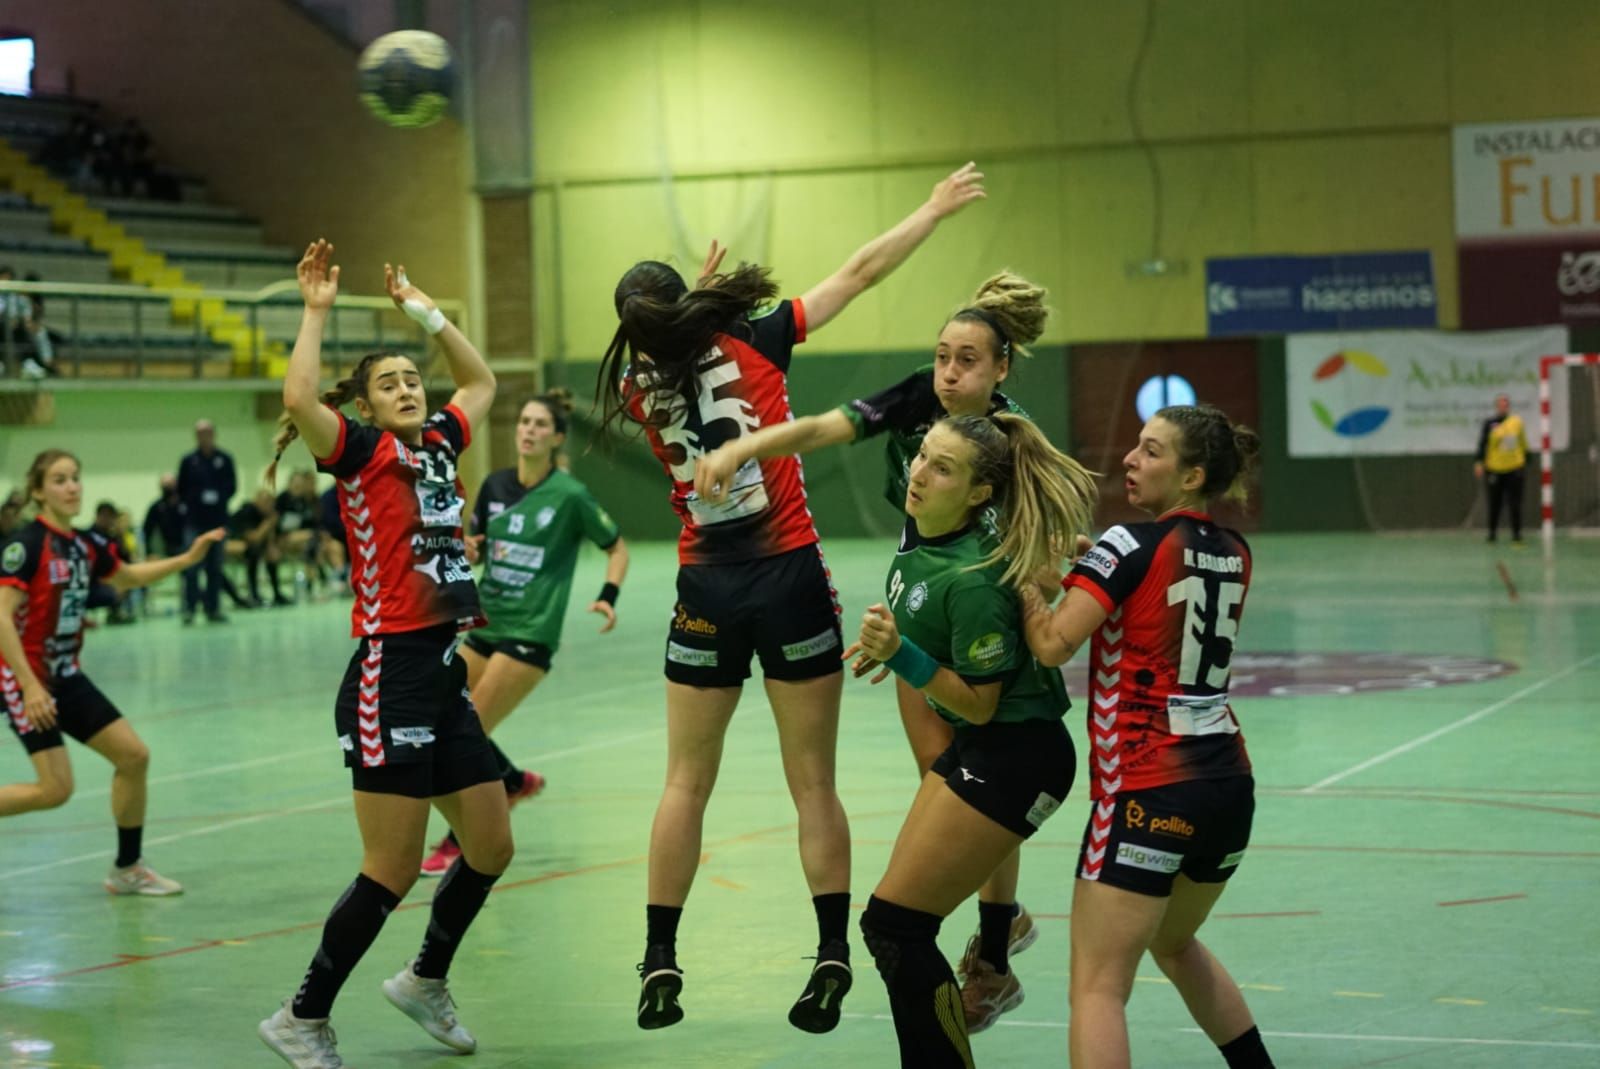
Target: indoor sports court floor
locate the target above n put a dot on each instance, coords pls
(1421, 889)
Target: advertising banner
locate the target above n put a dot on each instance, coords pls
(1287, 294)
(1392, 393)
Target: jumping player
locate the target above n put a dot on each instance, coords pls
(403, 717)
(46, 571)
(1173, 794)
(696, 369)
(972, 358)
(951, 628)
(529, 523)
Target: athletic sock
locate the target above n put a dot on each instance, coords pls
(661, 928)
(928, 1019)
(461, 895)
(356, 919)
(994, 933)
(1246, 1051)
(130, 843)
(510, 774)
(833, 922)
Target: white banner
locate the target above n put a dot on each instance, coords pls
(1527, 179)
(1394, 392)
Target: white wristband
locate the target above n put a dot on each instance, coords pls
(432, 319)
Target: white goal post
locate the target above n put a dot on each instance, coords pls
(1547, 486)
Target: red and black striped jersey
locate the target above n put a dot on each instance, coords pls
(1159, 666)
(741, 387)
(401, 507)
(55, 569)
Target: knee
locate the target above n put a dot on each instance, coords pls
(692, 785)
(899, 939)
(134, 761)
(496, 857)
(54, 793)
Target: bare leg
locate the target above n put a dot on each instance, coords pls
(130, 760)
(697, 720)
(52, 788)
(807, 715)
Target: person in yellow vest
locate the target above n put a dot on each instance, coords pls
(1502, 455)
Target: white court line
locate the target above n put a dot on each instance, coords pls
(1351, 1037)
(330, 803)
(1423, 740)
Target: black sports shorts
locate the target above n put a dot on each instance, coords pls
(81, 711)
(1015, 773)
(1140, 840)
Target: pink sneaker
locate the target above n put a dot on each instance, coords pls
(532, 784)
(444, 855)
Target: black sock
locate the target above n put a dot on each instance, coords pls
(661, 928)
(1246, 1051)
(510, 774)
(272, 577)
(129, 845)
(994, 933)
(460, 896)
(452, 840)
(252, 574)
(356, 919)
(833, 922)
(928, 1018)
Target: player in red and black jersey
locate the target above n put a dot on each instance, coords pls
(1160, 604)
(971, 359)
(403, 716)
(698, 368)
(46, 573)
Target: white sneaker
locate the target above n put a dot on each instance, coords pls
(303, 1043)
(32, 370)
(140, 879)
(428, 1003)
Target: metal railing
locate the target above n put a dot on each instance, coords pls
(147, 335)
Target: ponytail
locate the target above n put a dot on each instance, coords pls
(1044, 498)
(673, 327)
(343, 392)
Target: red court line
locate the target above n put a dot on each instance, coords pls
(1476, 901)
(124, 960)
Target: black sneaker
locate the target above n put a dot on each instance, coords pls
(817, 1009)
(660, 982)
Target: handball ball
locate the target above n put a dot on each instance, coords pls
(407, 77)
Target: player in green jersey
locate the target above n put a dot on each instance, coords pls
(971, 360)
(951, 628)
(529, 524)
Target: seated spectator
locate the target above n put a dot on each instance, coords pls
(335, 553)
(106, 534)
(253, 537)
(11, 512)
(16, 340)
(299, 535)
(42, 361)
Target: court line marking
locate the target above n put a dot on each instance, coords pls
(344, 799)
(1479, 901)
(1345, 1037)
(1471, 718)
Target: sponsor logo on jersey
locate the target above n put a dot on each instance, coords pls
(1231, 860)
(512, 577)
(1142, 857)
(1099, 561)
(968, 777)
(14, 555)
(1043, 808)
(1133, 815)
(1121, 539)
(989, 650)
(519, 556)
(546, 514)
(681, 654)
(692, 625)
(415, 737)
(347, 743)
(1211, 562)
(1174, 826)
(605, 518)
(800, 651)
(917, 598)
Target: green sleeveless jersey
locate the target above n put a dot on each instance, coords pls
(906, 410)
(529, 555)
(971, 623)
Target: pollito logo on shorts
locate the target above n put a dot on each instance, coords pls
(1358, 422)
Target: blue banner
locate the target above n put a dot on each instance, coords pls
(1293, 294)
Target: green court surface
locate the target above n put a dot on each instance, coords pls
(1421, 889)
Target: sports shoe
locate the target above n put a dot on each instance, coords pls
(140, 879)
(660, 981)
(985, 994)
(428, 1003)
(1023, 932)
(444, 855)
(305, 1043)
(532, 784)
(817, 1009)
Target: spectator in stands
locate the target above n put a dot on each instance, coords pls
(133, 160)
(164, 521)
(335, 551)
(253, 538)
(206, 483)
(11, 513)
(43, 341)
(16, 341)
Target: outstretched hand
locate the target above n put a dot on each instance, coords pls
(713, 262)
(962, 187)
(319, 283)
(202, 543)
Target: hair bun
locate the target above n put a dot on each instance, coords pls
(1016, 304)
